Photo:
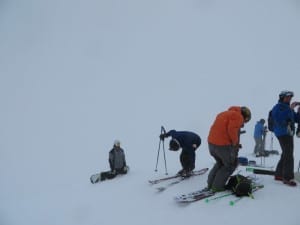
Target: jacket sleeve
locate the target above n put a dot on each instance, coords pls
(233, 130)
(171, 133)
(124, 159)
(111, 160)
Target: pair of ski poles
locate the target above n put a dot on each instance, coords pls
(162, 131)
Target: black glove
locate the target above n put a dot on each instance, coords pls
(298, 132)
(237, 147)
(162, 136)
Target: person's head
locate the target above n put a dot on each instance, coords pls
(286, 96)
(262, 121)
(117, 143)
(174, 145)
(246, 113)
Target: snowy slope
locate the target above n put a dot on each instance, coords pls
(75, 75)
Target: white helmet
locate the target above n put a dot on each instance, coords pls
(286, 93)
(117, 143)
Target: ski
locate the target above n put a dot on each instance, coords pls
(270, 172)
(195, 173)
(260, 171)
(194, 196)
(209, 195)
(163, 188)
(218, 196)
(179, 180)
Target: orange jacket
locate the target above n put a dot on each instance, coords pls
(226, 127)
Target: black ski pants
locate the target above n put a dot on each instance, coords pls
(285, 166)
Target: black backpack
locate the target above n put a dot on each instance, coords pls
(240, 185)
(270, 122)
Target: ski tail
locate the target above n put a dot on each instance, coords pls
(260, 171)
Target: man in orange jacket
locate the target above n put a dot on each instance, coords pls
(223, 144)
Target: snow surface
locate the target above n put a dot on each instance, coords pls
(75, 75)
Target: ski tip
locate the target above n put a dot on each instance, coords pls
(160, 189)
(151, 182)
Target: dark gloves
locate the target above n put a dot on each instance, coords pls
(237, 147)
(298, 131)
(162, 136)
(125, 169)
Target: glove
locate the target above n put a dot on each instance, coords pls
(162, 137)
(298, 132)
(294, 104)
(125, 169)
(237, 147)
(290, 130)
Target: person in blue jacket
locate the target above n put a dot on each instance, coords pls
(284, 118)
(259, 134)
(188, 142)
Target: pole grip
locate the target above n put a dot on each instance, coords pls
(163, 130)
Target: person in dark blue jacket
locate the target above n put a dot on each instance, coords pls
(188, 142)
(284, 118)
(259, 134)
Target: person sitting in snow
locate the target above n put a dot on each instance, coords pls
(188, 142)
(117, 162)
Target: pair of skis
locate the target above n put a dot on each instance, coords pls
(209, 196)
(175, 179)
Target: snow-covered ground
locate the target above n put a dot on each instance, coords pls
(75, 75)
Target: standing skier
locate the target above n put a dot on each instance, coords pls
(116, 161)
(259, 134)
(223, 144)
(188, 142)
(284, 118)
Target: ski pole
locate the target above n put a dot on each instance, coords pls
(157, 155)
(207, 200)
(166, 170)
(162, 131)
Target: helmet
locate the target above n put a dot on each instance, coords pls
(262, 121)
(174, 145)
(117, 143)
(246, 113)
(286, 93)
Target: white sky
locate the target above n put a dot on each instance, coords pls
(75, 75)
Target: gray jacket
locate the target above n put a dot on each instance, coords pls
(117, 158)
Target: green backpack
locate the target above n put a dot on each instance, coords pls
(240, 185)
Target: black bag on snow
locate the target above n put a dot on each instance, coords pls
(239, 185)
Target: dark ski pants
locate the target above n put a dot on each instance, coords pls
(226, 162)
(110, 175)
(187, 161)
(259, 145)
(285, 166)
